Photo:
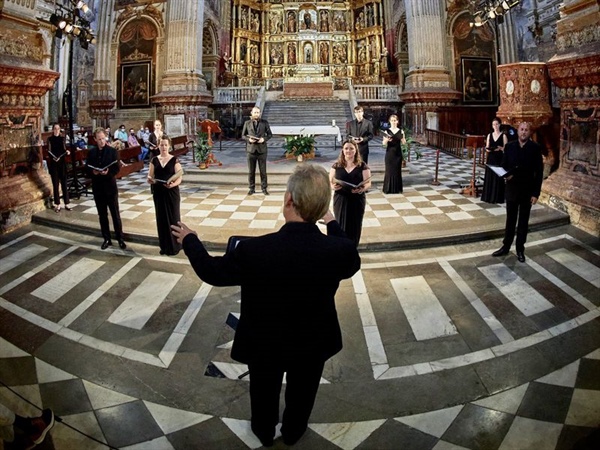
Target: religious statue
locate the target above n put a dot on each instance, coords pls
(227, 62)
(324, 52)
(291, 53)
(291, 22)
(307, 20)
(324, 21)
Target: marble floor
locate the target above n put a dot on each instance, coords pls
(484, 353)
(445, 347)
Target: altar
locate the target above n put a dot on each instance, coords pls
(308, 81)
(314, 130)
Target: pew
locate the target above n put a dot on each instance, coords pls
(129, 157)
(179, 145)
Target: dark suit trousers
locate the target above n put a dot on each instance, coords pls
(364, 153)
(517, 215)
(262, 168)
(302, 384)
(59, 176)
(104, 203)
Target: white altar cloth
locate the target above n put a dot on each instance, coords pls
(315, 130)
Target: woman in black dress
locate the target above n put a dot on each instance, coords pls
(393, 138)
(349, 199)
(165, 191)
(493, 185)
(155, 138)
(57, 166)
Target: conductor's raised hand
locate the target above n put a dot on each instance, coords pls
(180, 231)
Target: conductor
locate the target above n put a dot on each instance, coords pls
(284, 326)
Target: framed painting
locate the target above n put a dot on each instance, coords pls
(477, 80)
(135, 84)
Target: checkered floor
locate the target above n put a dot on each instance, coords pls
(229, 207)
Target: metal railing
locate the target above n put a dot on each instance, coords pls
(377, 92)
(228, 95)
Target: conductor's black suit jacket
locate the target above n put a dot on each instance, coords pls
(288, 282)
(527, 167)
(263, 130)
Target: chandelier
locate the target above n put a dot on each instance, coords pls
(490, 10)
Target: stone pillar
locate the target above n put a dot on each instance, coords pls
(428, 85)
(103, 98)
(575, 69)
(184, 94)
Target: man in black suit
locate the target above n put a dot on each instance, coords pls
(285, 325)
(103, 165)
(256, 132)
(524, 165)
(360, 130)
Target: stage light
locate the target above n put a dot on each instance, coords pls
(83, 6)
(491, 14)
(76, 30)
(62, 24)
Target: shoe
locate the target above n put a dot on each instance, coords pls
(500, 252)
(251, 191)
(122, 244)
(291, 440)
(265, 192)
(40, 426)
(68, 207)
(264, 440)
(521, 256)
(106, 244)
(57, 208)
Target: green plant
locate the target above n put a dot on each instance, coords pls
(201, 147)
(299, 145)
(406, 146)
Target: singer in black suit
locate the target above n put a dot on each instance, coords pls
(285, 325)
(523, 161)
(104, 186)
(360, 130)
(256, 133)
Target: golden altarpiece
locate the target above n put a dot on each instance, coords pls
(325, 43)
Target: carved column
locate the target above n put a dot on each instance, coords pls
(24, 81)
(575, 69)
(428, 84)
(184, 94)
(103, 98)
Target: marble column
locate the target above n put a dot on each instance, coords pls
(103, 99)
(183, 86)
(428, 84)
(575, 69)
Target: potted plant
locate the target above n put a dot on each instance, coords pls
(299, 147)
(405, 146)
(201, 149)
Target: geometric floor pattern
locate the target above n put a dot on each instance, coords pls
(480, 318)
(445, 347)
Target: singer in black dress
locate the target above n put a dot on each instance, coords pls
(349, 203)
(166, 196)
(57, 167)
(393, 138)
(493, 185)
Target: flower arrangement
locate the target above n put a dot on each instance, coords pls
(299, 145)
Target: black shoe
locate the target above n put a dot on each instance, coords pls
(521, 256)
(122, 244)
(106, 244)
(500, 252)
(264, 440)
(251, 191)
(265, 192)
(291, 440)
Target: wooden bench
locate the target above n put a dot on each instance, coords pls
(179, 145)
(130, 160)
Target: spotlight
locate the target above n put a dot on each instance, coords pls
(55, 19)
(492, 14)
(83, 43)
(76, 30)
(83, 6)
(58, 34)
(62, 23)
(68, 28)
(93, 41)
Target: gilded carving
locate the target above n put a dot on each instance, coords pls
(20, 45)
(577, 38)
